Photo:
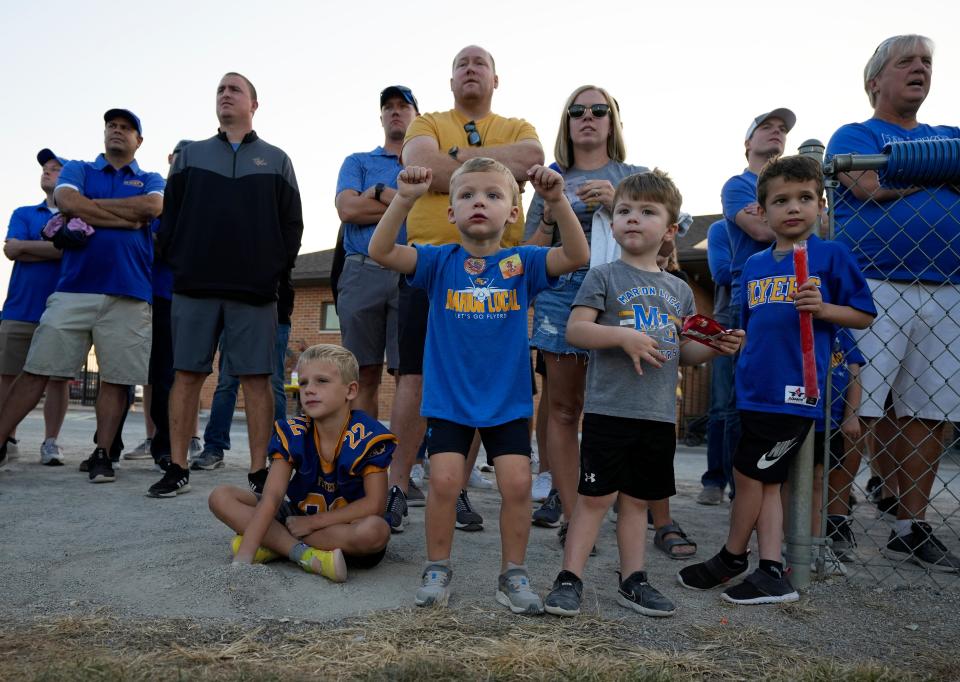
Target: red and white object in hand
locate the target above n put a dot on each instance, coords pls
(802, 270)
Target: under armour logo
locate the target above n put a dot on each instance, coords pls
(590, 478)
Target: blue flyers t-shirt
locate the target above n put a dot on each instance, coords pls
(476, 364)
(769, 373)
(30, 283)
(916, 237)
(115, 261)
(739, 192)
(845, 353)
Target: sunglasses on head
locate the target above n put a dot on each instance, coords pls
(473, 137)
(578, 110)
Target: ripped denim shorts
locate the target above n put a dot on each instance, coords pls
(550, 312)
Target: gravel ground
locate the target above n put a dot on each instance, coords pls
(71, 549)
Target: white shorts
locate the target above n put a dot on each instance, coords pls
(912, 350)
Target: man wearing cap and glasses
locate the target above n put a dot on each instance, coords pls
(443, 141)
(103, 294)
(748, 233)
(236, 197)
(36, 269)
(367, 293)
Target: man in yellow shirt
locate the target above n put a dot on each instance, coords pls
(442, 141)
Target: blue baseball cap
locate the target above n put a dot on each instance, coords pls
(401, 91)
(127, 114)
(45, 155)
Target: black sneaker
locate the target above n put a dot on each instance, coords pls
(562, 537)
(565, 597)
(761, 588)
(889, 506)
(396, 510)
(709, 574)
(162, 463)
(637, 594)
(175, 481)
(921, 547)
(467, 517)
(415, 496)
(3, 455)
(549, 513)
(100, 468)
(842, 541)
(256, 480)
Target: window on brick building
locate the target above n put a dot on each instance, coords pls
(329, 320)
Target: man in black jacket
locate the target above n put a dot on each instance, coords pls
(231, 226)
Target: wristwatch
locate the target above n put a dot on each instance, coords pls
(378, 190)
(453, 151)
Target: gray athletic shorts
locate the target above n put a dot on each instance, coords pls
(15, 338)
(249, 333)
(367, 307)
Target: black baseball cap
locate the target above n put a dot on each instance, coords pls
(45, 155)
(401, 91)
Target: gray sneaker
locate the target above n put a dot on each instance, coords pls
(415, 496)
(207, 460)
(195, 449)
(142, 451)
(50, 453)
(515, 593)
(710, 495)
(637, 594)
(435, 588)
(565, 597)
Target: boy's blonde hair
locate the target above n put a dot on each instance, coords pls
(483, 164)
(340, 357)
(652, 185)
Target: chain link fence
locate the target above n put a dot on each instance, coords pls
(890, 488)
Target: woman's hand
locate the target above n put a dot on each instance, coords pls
(597, 192)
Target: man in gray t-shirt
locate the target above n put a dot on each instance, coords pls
(652, 302)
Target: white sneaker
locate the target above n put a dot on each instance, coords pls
(142, 451)
(831, 562)
(51, 454)
(416, 475)
(542, 485)
(477, 480)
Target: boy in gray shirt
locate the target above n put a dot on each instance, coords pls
(629, 313)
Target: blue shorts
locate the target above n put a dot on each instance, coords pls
(551, 309)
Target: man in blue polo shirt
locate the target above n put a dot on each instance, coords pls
(367, 293)
(36, 270)
(765, 139)
(104, 291)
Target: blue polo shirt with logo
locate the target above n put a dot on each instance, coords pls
(115, 261)
(359, 172)
(30, 283)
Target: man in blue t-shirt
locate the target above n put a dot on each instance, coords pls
(765, 139)
(367, 292)
(103, 294)
(36, 268)
(907, 241)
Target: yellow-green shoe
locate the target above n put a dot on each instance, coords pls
(262, 555)
(328, 563)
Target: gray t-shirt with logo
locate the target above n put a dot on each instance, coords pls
(654, 303)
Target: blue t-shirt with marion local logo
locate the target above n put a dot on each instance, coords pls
(30, 283)
(769, 373)
(114, 261)
(915, 237)
(476, 364)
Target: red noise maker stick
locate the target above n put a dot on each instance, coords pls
(801, 268)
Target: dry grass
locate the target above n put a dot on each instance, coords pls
(422, 645)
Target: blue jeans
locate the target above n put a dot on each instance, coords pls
(279, 373)
(719, 459)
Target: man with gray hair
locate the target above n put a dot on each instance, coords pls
(907, 242)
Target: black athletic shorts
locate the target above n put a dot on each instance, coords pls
(837, 448)
(511, 438)
(768, 442)
(413, 307)
(632, 456)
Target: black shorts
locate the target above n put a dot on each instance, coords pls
(413, 307)
(631, 456)
(768, 443)
(837, 448)
(539, 366)
(510, 438)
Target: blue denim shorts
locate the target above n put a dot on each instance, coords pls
(551, 309)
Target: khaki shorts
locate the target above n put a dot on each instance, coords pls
(15, 337)
(118, 327)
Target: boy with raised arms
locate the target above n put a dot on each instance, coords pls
(477, 351)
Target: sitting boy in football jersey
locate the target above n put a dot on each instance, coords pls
(327, 486)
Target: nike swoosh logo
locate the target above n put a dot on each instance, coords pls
(775, 453)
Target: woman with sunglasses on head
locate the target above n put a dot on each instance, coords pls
(590, 154)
